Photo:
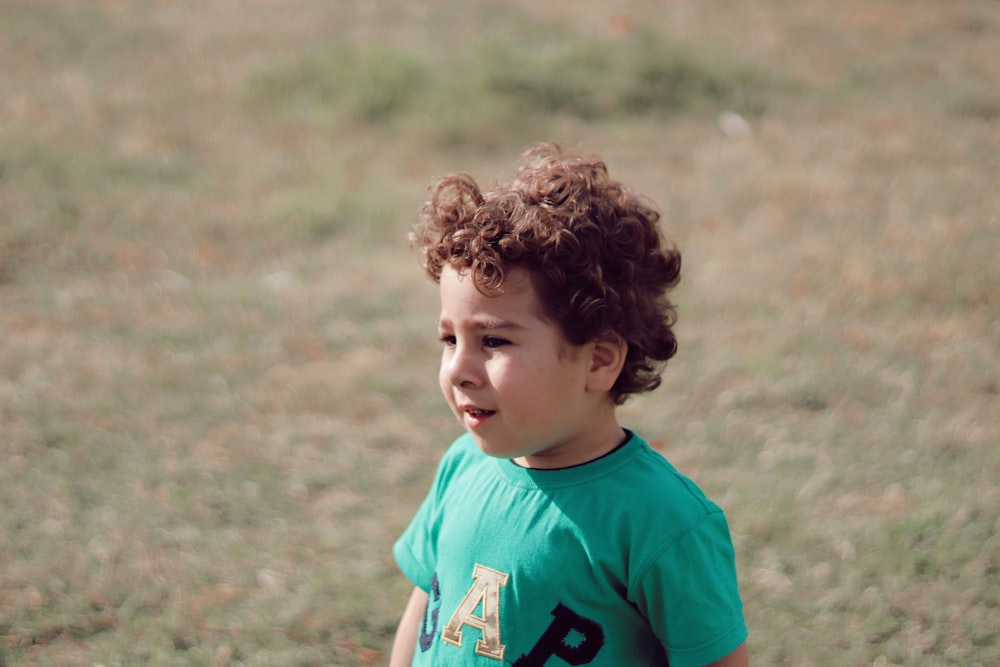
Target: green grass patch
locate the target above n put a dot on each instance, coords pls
(494, 88)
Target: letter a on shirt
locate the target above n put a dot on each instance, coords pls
(486, 591)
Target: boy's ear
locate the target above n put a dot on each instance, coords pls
(606, 361)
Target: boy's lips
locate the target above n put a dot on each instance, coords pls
(474, 411)
(474, 416)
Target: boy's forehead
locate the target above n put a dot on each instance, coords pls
(516, 301)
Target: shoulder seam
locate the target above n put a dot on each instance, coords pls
(670, 540)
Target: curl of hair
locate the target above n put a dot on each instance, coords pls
(591, 246)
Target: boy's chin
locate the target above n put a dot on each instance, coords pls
(494, 449)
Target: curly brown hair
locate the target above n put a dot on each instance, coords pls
(591, 246)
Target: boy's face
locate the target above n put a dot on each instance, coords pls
(513, 380)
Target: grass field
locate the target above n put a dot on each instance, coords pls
(218, 402)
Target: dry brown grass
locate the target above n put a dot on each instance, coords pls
(217, 395)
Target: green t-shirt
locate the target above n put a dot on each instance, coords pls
(621, 561)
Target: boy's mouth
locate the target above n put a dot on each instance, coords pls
(474, 418)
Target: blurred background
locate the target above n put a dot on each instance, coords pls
(218, 402)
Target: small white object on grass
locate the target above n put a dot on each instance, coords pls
(279, 281)
(734, 125)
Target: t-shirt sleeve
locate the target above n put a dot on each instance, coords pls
(416, 549)
(691, 597)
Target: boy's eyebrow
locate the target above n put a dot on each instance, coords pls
(488, 324)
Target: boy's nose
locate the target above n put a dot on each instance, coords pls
(462, 370)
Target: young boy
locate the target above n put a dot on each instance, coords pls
(552, 536)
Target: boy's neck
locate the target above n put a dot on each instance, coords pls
(626, 436)
(600, 441)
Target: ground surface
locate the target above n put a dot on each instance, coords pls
(217, 367)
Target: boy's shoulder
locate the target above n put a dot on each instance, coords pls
(665, 477)
(649, 481)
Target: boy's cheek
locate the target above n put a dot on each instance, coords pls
(445, 388)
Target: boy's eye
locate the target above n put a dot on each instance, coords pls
(448, 340)
(493, 342)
